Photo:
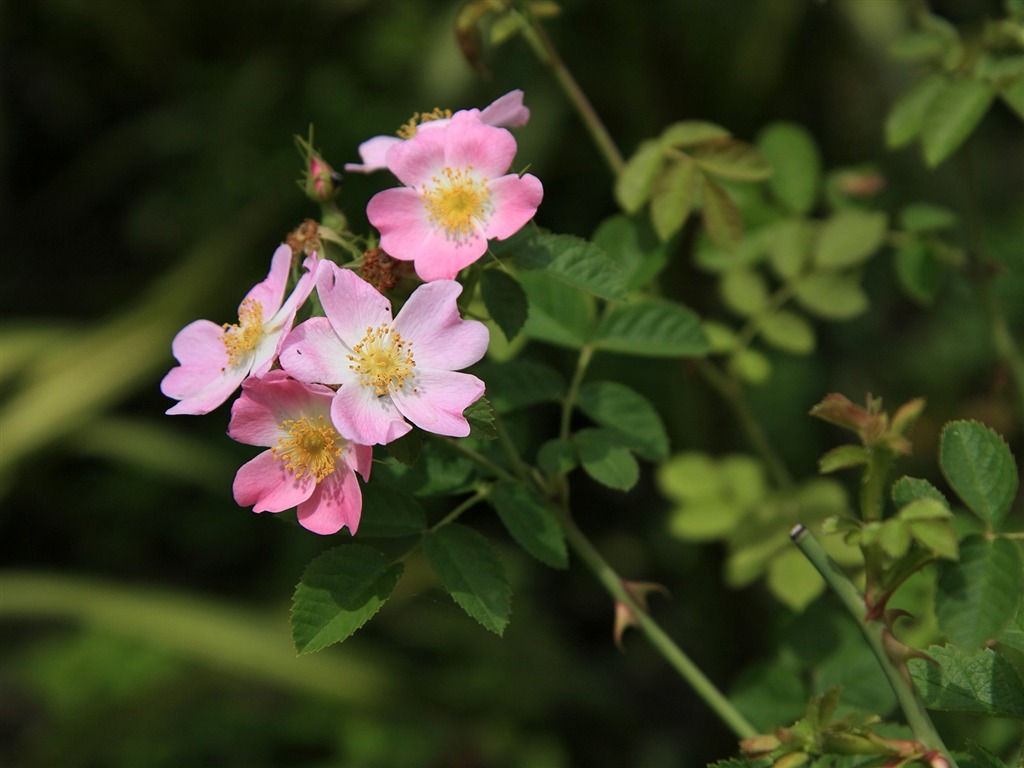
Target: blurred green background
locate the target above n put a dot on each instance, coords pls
(147, 175)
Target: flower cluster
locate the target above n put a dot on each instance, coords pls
(320, 394)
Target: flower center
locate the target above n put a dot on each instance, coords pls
(311, 447)
(408, 130)
(457, 201)
(241, 338)
(383, 360)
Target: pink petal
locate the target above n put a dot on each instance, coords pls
(373, 153)
(268, 401)
(506, 111)
(444, 259)
(351, 304)
(270, 292)
(362, 417)
(204, 379)
(440, 338)
(515, 199)
(438, 401)
(313, 352)
(417, 160)
(265, 485)
(401, 218)
(469, 142)
(360, 458)
(336, 502)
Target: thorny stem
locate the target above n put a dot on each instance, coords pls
(873, 631)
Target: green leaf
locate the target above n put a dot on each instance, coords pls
(843, 457)
(849, 237)
(731, 159)
(830, 296)
(633, 185)
(632, 244)
(531, 522)
(931, 523)
(690, 132)
(480, 416)
(793, 580)
(751, 366)
(520, 383)
(575, 262)
(925, 217)
(557, 457)
(982, 682)
(908, 489)
(795, 162)
(406, 449)
(894, 536)
(673, 197)
(744, 291)
(505, 300)
(787, 331)
(979, 595)
(907, 115)
(558, 314)
(627, 413)
(919, 272)
(919, 45)
(471, 572)
(721, 216)
(1013, 95)
(705, 519)
(389, 512)
(606, 459)
(339, 592)
(652, 327)
(979, 466)
(789, 244)
(951, 116)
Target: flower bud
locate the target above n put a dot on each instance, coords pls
(320, 182)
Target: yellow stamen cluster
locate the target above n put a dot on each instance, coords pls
(408, 130)
(311, 447)
(457, 202)
(383, 360)
(243, 336)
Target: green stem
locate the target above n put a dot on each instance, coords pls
(545, 51)
(482, 493)
(917, 717)
(672, 653)
(582, 363)
(729, 391)
(521, 470)
(477, 458)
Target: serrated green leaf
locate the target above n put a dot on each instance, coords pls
(622, 410)
(558, 314)
(978, 596)
(389, 511)
(721, 217)
(925, 217)
(830, 296)
(849, 237)
(339, 592)
(471, 572)
(687, 133)
(907, 115)
(787, 331)
(744, 291)
(673, 196)
(557, 457)
(653, 328)
(731, 159)
(634, 184)
(919, 272)
(981, 683)
(630, 241)
(606, 459)
(438, 471)
(843, 457)
(505, 300)
(931, 524)
(951, 116)
(908, 489)
(979, 466)
(531, 522)
(520, 383)
(795, 162)
(575, 262)
(480, 416)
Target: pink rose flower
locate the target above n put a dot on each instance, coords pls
(309, 465)
(457, 196)
(214, 359)
(506, 112)
(389, 370)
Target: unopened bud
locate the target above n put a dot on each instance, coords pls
(320, 182)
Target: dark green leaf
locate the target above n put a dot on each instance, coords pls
(979, 466)
(406, 449)
(795, 162)
(575, 262)
(339, 592)
(831, 296)
(673, 197)
(505, 301)
(951, 116)
(632, 244)
(908, 489)
(653, 327)
(558, 314)
(628, 413)
(557, 457)
(480, 416)
(471, 572)
(531, 522)
(520, 383)
(979, 595)
(981, 683)
(721, 216)
(634, 184)
(849, 237)
(919, 272)
(907, 115)
(389, 511)
(925, 217)
(606, 459)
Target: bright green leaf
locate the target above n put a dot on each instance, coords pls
(606, 459)
(652, 327)
(531, 522)
(951, 116)
(690, 132)
(744, 291)
(925, 217)
(751, 366)
(795, 162)
(634, 184)
(979, 466)
(907, 115)
(894, 537)
(830, 296)
(558, 314)
(787, 331)
(979, 595)
(1013, 95)
(705, 519)
(339, 592)
(843, 457)
(622, 410)
(731, 159)
(471, 572)
(505, 301)
(849, 237)
(721, 338)
(388, 511)
(789, 244)
(908, 489)
(688, 476)
(793, 580)
(673, 197)
(981, 683)
(721, 216)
